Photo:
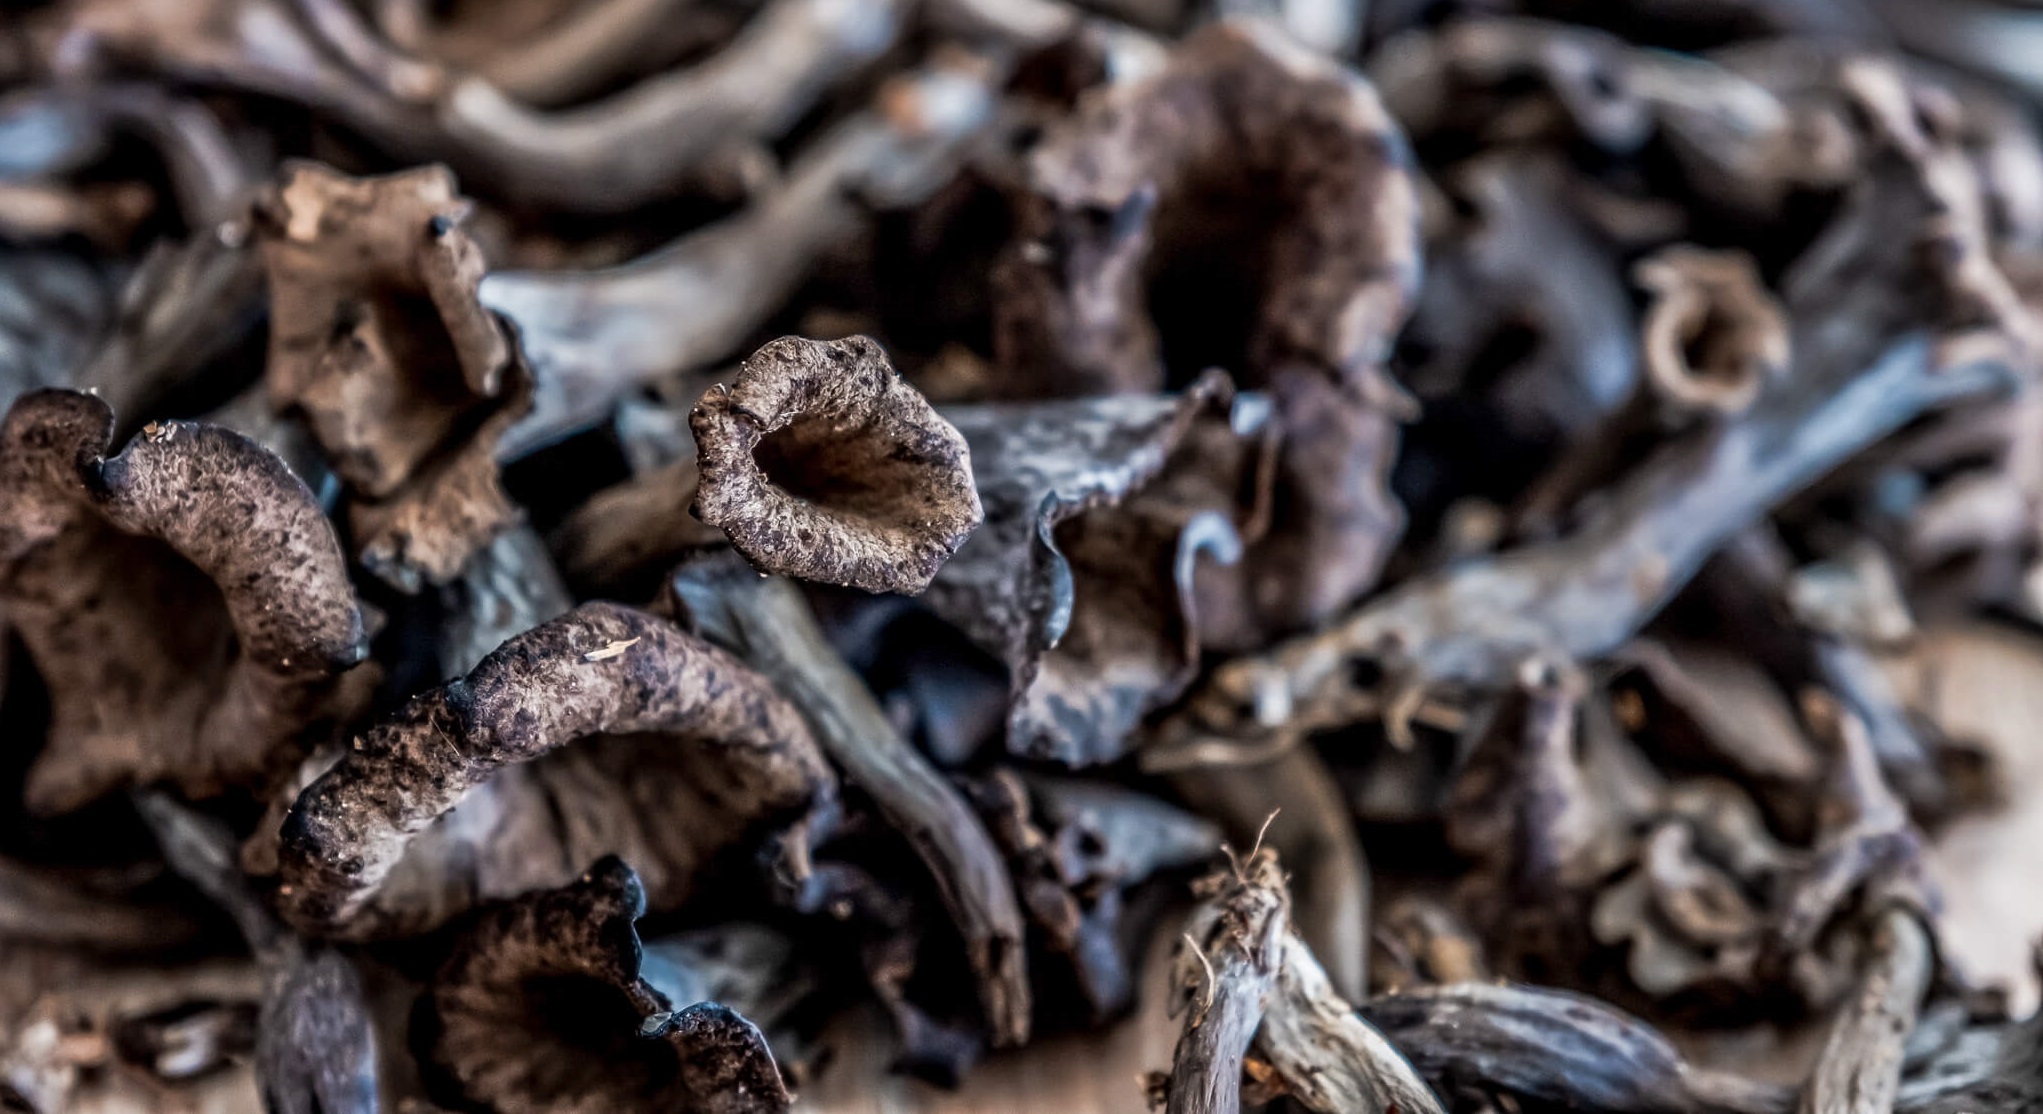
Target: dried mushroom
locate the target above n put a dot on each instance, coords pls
(819, 461)
(1582, 594)
(378, 339)
(1713, 336)
(1525, 813)
(652, 140)
(1235, 107)
(185, 602)
(593, 337)
(1086, 578)
(1294, 806)
(315, 1045)
(1541, 475)
(1240, 126)
(564, 709)
(549, 1003)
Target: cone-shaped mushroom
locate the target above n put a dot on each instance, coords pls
(185, 601)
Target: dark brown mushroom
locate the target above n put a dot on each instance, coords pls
(1711, 338)
(1240, 129)
(548, 1003)
(821, 462)
(378, 339)
(1525, 811)
(314, 1041)
(1866, 843)
(1086, 580)
(1523, 301)
(1235, 101)
(1293, 804)
(1711, 703)
(185, 601)
(1505, 80)
(633, 530)
(550, 722)
(649, 141)
(184, 307)
(1686, 922)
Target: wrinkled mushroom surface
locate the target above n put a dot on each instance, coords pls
(821, 462)
(607, 730)
(546, 1005)
(378, 338)
(185, 601)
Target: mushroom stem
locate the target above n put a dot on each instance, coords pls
(1859, 1070)
(593, 336)
(767, 622)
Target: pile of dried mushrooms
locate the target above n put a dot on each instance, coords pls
(557, 554)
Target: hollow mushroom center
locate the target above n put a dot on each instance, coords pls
(382, 429)
(1714, 348)
(1208, 276)
(831, 462)
(135, 631)
(589, 1030)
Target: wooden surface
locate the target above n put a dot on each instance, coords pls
(1986, 683)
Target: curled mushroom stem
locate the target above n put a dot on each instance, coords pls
(1859, 1069)
(635, 141)
(767, 622)
(579, 52)
(742, 760)
(593, 336)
